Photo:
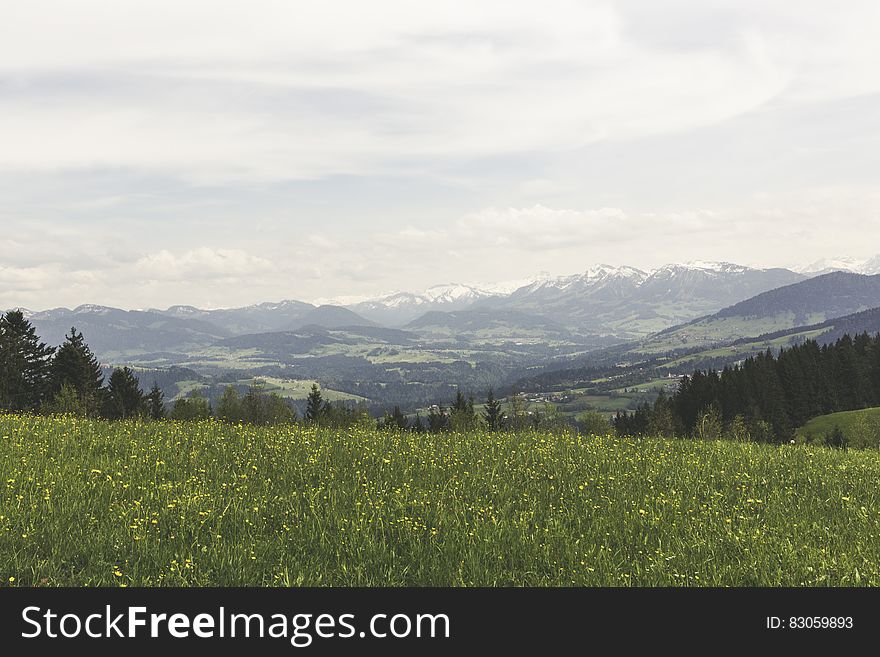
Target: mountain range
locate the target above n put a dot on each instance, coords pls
(628, 321)
(607, 302)
(868, 266)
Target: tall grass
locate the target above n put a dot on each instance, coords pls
(96, 503)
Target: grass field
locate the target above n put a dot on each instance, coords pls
(861, 424)
(299, 389)
(93, 503)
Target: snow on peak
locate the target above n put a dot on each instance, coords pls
(452, 292)
(871, 266)
(447, 293)
(841, 263)
(706, 266)
(183, 310)
(605, 272)
(92, 309)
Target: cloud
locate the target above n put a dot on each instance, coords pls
(219, 92)
(487, 245)
(220, 153)
(541, 228)
(202, 263)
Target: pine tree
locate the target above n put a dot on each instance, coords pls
(75, 364)
(314, 404)
(24, 364)
(738, 429)
(253, 406)
(156, 402)
(438, 420)
(194, 407)
(492, 412)
(517, 414)
(395, 420)
(278, 410)
(229, 406)
(661, 424)
(418, 426)
(124, 398)
(836, 438)
(462, 416)
(593, 423)
(66, 402)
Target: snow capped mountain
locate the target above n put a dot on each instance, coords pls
(279, 305)
(700, 266)
(871, 266)
(593, 278)
(868, 266)
(453, 293)
(401, 307)
(181, 311)
(603, 299)
(93, 309)
(449, 293)
(505, 288)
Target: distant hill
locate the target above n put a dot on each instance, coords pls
(486, 323)
(113, 333)
(832, 295)
(261, 317)
(312, 340)
(333, 317)
(810, 302)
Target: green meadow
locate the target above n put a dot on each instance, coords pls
(130, 503)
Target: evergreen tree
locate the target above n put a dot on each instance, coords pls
(75, 364)
(462, 416)
(738, 429)
(418, 426)
(836, 438)
(517, 414)
(67, 402)
(156, 402)
(253, 406)
(194, 407)
(661, 424)
(278, 410)
(438, 420)
(124, 398)
(593, 423)
(314, 404)
(395, 420)
(229, 406)
(24, 364)
(492, 413)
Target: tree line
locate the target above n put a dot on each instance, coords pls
(767, 396)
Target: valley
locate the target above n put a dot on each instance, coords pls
(606, 340)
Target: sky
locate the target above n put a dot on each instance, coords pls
(225, 153)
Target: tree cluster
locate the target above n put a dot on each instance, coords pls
(766, 397)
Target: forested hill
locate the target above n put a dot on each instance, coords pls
(831, 295)
(807, 303)
(867, 321)
(769, 396)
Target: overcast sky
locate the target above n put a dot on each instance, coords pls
(223, 153)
